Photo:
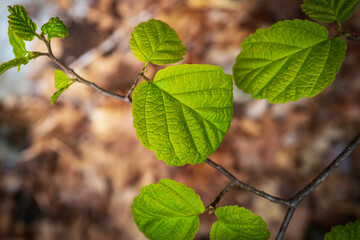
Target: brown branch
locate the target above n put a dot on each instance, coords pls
(298, 197)
(212, 205)
(285, 222)
(353, 38)
(80, 79)
(348, 36)
(303, 193)
(294, 201)
(237, 182)
(132, 88)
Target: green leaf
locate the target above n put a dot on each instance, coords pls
(55, 28)
(184, 113)
(62, 82)
(350, 231)
(157, 42)
(18, 61)
(329, 10)
(238, 223)
(61, 79)
(21, 24)
(17, 43)
(13, 63)
(289, 60)
(167, 210)
(57, 94)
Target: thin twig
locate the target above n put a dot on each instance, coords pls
(285, 223)
(138, 77)
(77, 77)
(303, 193)
(350, 37)
(298, 197)
(353, 38)
(219, 196)
(245, 186)
(294, 201)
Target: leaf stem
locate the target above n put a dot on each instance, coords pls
(212, 206)
(138, 77)
(146, 78)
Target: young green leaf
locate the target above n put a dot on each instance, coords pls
(238, 223)
(13, 63)
(289, 60)
(55, 28)
(350, 231)
(57, 94)
(61, 79)
(62, 82)
(17, 43)
(184, 113)
(330, 10)
(21, 24)
(157, 42)
(167, 210)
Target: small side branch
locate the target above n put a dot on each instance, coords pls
(285, 223)
(237, 182)
(348, 36)
(353, 38)
(212, 205)
(80, 79)
(132, 88)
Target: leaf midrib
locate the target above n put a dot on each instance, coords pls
(275, 60)
(160, 43)
(197, 113)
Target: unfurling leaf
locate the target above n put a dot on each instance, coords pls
(350, 231)
(17, 43)
(238, 223)
(184, 113)
(330, 10)
(62, 82)
(61, 79)
(16, 62)
(21, 24)
(57, 94)
(167, 210)
(289, 60)
(155, 41)
(55, 28)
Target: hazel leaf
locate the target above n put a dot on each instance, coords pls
(21, 24)
(167, 210)
(155, 41)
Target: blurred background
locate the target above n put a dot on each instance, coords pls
(71, 171)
